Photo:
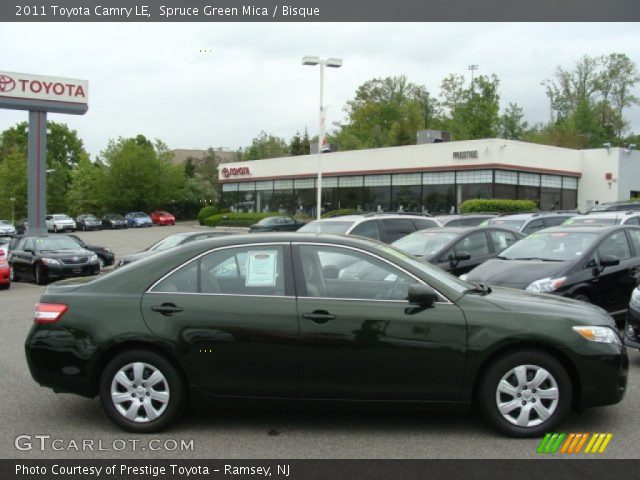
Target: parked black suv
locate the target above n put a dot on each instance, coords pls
(600, 265)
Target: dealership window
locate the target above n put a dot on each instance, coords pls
(570, 183)
(305, 195)
(230, 196)
(246, 197)
(439, 198)
(439, 178)
(506, 192)
(475, 176)
(529, 179)
(506, 177)
(264, 195)
(283, 198)
(350, 193)
(329, 194)
(407, 192)
(377, 192)
(550, 198)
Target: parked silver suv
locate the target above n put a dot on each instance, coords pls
(386, 227)
(59, 222)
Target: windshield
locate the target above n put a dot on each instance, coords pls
(553, 246)
(326, 227)
(56, 243)
(115, 217)
(505, 222)
(90, 217)
(430, 270)
(169, 242)
(424, 242)
(138, 214)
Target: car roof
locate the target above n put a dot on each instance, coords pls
(355, 218)
(604, 230)
(610, 214)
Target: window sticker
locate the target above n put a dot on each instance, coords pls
(261, 268)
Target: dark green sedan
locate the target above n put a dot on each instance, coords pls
(269, 317)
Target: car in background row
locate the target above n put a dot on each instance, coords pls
(629, 217)
(632, 327)
(384, 227)
(5, 274)
(113, 221)
(44, 258)
(276, 224)
(4, 246)
(465, 219)
(21, 226)
(160, 217)
(458, 249)
(138, 219)
(170, 242)
(528, 223)
(615, 206)
(7, 228)
(88, 221)
(599, 265)
(141, 337)
(105, 256)
(59, 222)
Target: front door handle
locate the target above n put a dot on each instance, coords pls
(167, 309)
(319, 316)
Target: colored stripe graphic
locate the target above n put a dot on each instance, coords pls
(573, 443)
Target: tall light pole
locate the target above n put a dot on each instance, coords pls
(472, 68)
(333, 63)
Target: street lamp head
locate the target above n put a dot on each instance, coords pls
(310, 60)
(333, 62)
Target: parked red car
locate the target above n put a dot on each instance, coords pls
(160, 217)
(5, 277)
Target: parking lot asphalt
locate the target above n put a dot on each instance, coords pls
(28, 409)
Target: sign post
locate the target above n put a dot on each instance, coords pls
(39, 94)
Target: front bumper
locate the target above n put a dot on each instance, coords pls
(68, 271)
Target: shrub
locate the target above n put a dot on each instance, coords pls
(498, 206)
(206, 212)
(342, 211)
(236, 219)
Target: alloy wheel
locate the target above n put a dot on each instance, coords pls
(527, 395)
(140, 392)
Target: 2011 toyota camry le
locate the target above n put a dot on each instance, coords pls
(270, 318)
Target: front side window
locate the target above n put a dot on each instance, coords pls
(335, 272)
(615, 245)
(367, 229)
(397, 228)
(502, 239)
(533, 226)
(475, 244)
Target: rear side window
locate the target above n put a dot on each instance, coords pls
(367, 229)
(422, 223)
(184, 280)
(633, 221)
(475, 244)
(635, 240)
(533, 226)
(502, 239)
(396, 228)
(553, 221)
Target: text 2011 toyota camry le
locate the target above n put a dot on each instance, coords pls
(271, 317)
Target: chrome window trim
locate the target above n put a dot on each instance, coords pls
(198, 257)
(220, 294)
(443, 297)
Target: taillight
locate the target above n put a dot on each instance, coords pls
(49, 312)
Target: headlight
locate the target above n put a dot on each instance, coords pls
(598, 334)
(108, 250)
(463, 277)
(635, 299)
(50, 261)
(93, 258)
(545, 285)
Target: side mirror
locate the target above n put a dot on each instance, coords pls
(422, 295)
(460, 256)
(609, 261)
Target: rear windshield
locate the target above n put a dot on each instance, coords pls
(505, 222)
(326, 227)
(592, 221)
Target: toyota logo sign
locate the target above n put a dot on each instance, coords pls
(235, 171)
(6, 83)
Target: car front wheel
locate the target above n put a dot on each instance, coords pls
(141, 391)
(525, 394)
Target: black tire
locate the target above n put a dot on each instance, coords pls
(55, 228)
(176, 388)
(41, 278)
(581, 297)
(102, 261)
(488, 395)
(12, 275)
(5, 286)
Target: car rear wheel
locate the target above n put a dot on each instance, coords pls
(141, 391)
(525, 394)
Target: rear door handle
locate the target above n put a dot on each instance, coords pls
(167, 309)
(319, 316)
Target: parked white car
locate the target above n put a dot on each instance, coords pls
(6, 228)
(59, 222)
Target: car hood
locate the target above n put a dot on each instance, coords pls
(540, 303)
(138, 256)
(514, 273)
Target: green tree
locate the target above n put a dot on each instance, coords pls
(512, 127)
(87, 192)
(13, 183)
(296, 146)
(266, 146)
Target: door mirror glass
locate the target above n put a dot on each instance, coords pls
(422, 295)
(609, 261)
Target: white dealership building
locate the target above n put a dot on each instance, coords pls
(434, 177)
